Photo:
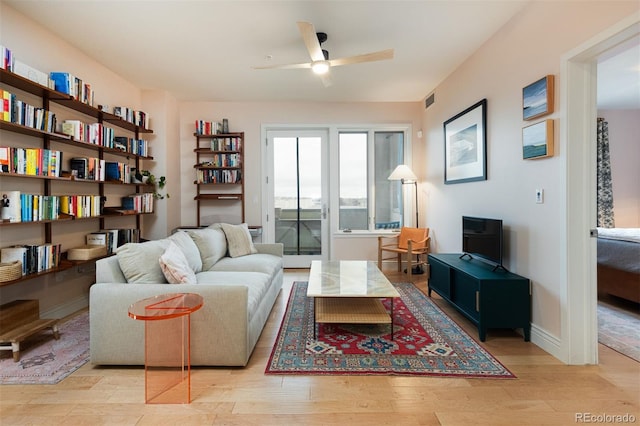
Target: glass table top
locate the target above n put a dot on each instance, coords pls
(165, 306)
(348, 278)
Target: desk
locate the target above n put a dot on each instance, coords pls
(167, 345)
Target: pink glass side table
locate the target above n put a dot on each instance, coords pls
(167, 346)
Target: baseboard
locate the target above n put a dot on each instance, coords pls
(67, 308)
(547, 342)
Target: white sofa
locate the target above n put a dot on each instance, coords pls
(238, 293)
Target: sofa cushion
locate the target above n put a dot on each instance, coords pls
(239, 242)
(175, 266)
(211, 243)
(259, 262)
(139, 261)
(189, 248)
(256, 283)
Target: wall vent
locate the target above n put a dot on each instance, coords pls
(429, 101)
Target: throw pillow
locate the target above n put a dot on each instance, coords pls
(211, 244)
(175, 266)
(139, 261)
(239, 240)
(189, 248)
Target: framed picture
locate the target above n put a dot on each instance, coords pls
(537, 98)
(537, 140)
(465, 145)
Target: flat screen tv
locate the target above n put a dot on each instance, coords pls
(482, 239)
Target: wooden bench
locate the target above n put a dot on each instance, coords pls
(20, 320)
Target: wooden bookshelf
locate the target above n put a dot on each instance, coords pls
(57, 102)
(219, 171)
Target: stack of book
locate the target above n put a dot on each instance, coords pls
(71, 85)
(31, 161)
(6, 60)
(34, 258)
(208, 127)
(140, 203)
(16, 111)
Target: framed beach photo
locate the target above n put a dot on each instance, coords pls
(537, 98)
(537, 140)
(465, 145)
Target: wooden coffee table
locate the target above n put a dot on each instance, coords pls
(349, 292)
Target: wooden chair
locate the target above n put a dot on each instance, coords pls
(409, 242)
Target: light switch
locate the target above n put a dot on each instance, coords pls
(539, 196)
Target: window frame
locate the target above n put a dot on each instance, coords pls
(334, 184)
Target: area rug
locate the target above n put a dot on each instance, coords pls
(46, 361)
(426, 342)
(619, 329)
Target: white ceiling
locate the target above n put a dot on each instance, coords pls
(204, 50)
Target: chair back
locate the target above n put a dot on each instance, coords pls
(413, 234)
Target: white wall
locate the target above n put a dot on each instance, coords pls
(624, 150)
(250, 116)
(527, 48)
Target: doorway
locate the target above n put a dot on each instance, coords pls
(579, 302)
(298, 194)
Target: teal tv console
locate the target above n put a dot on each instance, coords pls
(490, 299)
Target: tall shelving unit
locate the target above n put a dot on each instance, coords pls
(25, 88)
(219, 171)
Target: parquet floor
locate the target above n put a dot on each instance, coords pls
(546, 391)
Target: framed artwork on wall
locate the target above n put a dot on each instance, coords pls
(537, 140)
(537, 98)
(465, 145)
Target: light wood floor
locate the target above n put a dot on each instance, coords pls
(546, 391)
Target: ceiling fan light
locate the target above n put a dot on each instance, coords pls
(320, 67)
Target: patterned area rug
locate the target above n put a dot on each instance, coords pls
(46, 361)
(619, 329)
(426, 342)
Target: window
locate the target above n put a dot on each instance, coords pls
(367, 158)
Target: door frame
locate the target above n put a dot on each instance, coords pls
(579, 341)
(268, 234)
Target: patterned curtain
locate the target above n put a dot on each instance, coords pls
(605, 188)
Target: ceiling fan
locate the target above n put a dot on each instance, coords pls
(320, 62)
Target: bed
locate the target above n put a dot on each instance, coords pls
(619, 262)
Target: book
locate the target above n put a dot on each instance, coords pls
(11, 206)
(5, 156)
(97, 239)
(80, 166)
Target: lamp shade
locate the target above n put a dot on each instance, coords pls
(403, 173)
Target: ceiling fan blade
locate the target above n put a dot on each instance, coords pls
(366, 57)
(310, 38)
(284, 66)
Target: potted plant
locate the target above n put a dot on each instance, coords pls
(145, 176)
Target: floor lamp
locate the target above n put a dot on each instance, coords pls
(406, 176)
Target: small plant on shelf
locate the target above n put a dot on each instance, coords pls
(145, 176)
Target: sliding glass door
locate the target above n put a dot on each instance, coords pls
(299, 197)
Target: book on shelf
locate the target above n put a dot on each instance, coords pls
(34, 258)
(31, 73)
(11, 206)
(97, 238)
(80, 166)
(5, 159)
(7, 59)
(208, 127)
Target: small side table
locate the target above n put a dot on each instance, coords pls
(167, 345)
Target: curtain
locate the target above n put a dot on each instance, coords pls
(605, 188)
